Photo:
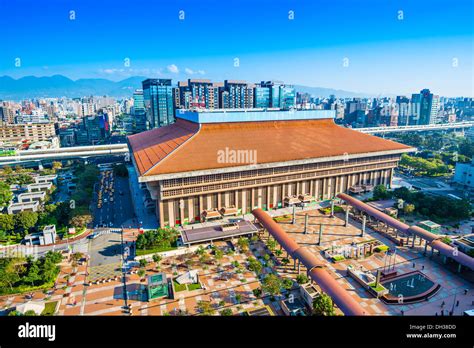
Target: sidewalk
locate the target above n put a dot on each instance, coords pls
(147, 220)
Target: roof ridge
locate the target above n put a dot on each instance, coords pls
(187, 127)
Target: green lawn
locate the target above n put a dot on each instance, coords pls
(379, 287)
(381, 248)
(192, 287)
(49, 308)
(24, 288)
(283, 218)
(154, 250)
(178, 287)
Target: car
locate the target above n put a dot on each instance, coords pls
(93, 236)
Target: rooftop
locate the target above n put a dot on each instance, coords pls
(275, 137)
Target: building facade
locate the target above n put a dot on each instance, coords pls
(258, 158)
(158, 100)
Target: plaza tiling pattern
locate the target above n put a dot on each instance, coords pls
(334, 233)
(107, 298)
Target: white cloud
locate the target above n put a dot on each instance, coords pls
(173, 69)
(194, 72)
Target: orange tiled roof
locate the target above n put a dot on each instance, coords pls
(174, 149)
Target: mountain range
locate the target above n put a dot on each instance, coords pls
(60, 86)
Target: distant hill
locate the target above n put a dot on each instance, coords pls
(326, 92)
(61, 86)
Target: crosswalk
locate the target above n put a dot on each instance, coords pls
(103, 231)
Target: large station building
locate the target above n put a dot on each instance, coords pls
(237, 160)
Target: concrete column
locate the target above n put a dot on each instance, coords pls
(293, 220)
(413, 241)
(346, 222)
(299, 266)
(459, 268)
(364, 221)
(306, 223)
(426, 247)
(320, 234)
(332, 208)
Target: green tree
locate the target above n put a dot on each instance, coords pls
(205, 308)
(243, 243)
(226, 312)
(25, 220)
(302, 278)
(409, 209)
(7, 223)
(254, 265)
(33, 274)
(218, 254)
(5, 194)
(80, 220)
(156, 258)
(143, 262)
(271, 244)
(323, 306)
(287, 283)
(272, 284)
(381, 192)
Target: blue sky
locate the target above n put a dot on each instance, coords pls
(385, 55)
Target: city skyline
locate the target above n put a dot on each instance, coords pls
(329, 46)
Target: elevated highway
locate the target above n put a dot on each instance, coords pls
(417, 128)
(66, 153)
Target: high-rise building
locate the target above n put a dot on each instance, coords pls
(404, 110)
(138, 112)
(425, 107)
(197, 93)
(236, 95)
(274, 94)
(158, 101)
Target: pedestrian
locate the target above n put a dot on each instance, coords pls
(403, 312)
(457, 303)
(465, 291)
(442, 304)
(422, 267)
(436, 314)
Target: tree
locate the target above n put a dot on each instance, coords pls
(287, 283)
(30, 313)
(8, 275)
(218, 254)
(80, 220)
(141, 273)
(409, 209)
(271, 244)
(323, 306)
(205, 308)
(5, 194)
(272, 284)
(255, 265)
(57, 165)
(226, 312)
(25, 220)
(143, 262)
(7, 223)
(243, 243)
(33, 274)
(381, 192)
(302, 278)
(156, 258)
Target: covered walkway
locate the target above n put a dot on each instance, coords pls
(315, 269)
(431, 239)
